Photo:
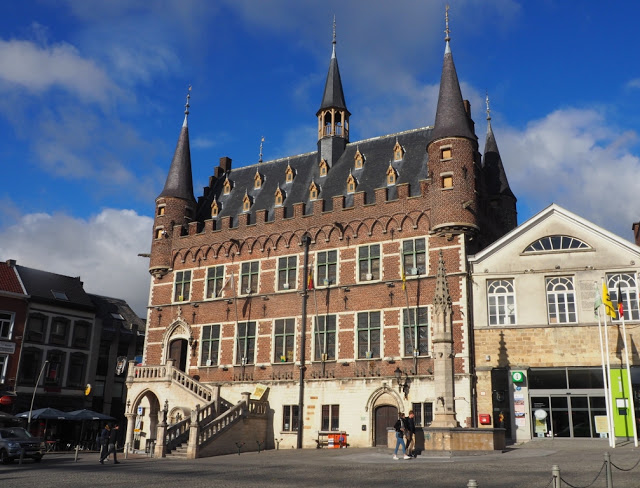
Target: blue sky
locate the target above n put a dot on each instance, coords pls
(92, 96)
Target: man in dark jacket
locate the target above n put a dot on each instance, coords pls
(104, 443)
(113, 445)
(410, 433)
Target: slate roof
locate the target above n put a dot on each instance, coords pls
(9, 280)
(497, 183)
(179, 182)
(333, 96)
(377, 152)
(41, 284)
(451, 117)
(107, 307)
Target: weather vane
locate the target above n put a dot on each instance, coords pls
(446, 19)
(186, 105)
(488, 109)
(261, 142)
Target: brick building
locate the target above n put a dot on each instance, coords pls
(332, 284)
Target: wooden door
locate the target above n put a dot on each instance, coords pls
(386, 416)
(178, 351)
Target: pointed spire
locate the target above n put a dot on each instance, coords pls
(496, 177)
(333, 96)
(179, 182)
(451, 116)
(442, 298)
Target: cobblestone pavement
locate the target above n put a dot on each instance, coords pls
(525, 466)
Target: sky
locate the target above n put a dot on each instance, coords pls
(92, 96)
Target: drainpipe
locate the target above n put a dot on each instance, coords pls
(306, 239)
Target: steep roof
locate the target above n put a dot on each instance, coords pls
(116, 313)
(9, 280)
(497, 183)
(451, 116)
(333, 96)
(41, 285)
(377, 153)
(179, 182)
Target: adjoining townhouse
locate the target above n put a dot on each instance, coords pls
(312, 283)
(537, 338)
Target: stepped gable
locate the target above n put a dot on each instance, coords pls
(41, 284)
(377, 152)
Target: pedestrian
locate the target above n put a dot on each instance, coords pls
(113, 443)
(410, 433)
(104, 443)
(400, 428)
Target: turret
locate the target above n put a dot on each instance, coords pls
(501, 200)
(176, 205)
(333, 116)
(453, 156)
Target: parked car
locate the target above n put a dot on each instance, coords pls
(14, 440)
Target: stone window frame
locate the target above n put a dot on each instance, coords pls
(503, 290)
(246, 341)
(366, 326)
(287, 268)
(217, 280)
(446, 179)
(446, 152)
(182, 286)
(370, 260)
(330, 417)
(417, 258)
(249, 277)
(560, 292)
(161, 209)
(207, 343)
(284, 336)
(292, 416)
(325, 337)
(419, 329)
(327, 268)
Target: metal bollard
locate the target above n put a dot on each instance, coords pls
(555, 472)
(607, 460)
(77, 448)
(472, 484)
(126, 450)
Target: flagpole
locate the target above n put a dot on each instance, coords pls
(235, 300)
(406, 296)
(626, 353)
(607, 302)
(604, 376)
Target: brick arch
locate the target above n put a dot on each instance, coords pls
(423, 220)
(392, 224)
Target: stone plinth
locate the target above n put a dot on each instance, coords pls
(461, 439)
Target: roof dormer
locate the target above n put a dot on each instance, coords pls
(257, 180)
(247, 201)
(314, 190)
(215, 208)
(358, 160)
(351, 183)
(324, 168)
(289, 174)
(227, 186)
(398, 151)
(280, 196)
(392, 175)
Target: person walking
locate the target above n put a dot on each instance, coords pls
(400, 428)
(410, 433)
(104, 443)
(113, 443)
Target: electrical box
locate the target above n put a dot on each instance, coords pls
(484, 418)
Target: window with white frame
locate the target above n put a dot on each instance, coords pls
(210, 344)
(501, 299)
(287, 267)
(368, 335)
(182, 288)
(628, 290)
(330, 417)
(215, 281)
(4, 364)
(414, 256)
(327, 268)
(246, 343)
(416, 331)
(6, 324)
(561, 300)
(369, 262)
(325, 338)
(284, 337)
(249, 277)
(290, 418)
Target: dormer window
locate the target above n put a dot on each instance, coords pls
(257, 181)
(215, 208)
(279, 197)
(391, 175)
(358, 160)
(324, 168)
(289, 174)
(161, 210)
(226, 189)
(246, 203)
(351, 184)
(398, 152)
(313, 191)
(445, 152)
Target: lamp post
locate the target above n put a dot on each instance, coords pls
(403, 386)
(33, 397)
(306, 240)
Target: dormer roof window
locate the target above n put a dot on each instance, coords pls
(215, 208)
(257, 180)
(398, 151)
(226, 188)
(358, 160)
(391, 175)
(313, 191)
(289, 174)
(246, 202)
(324, 168)
(351, 184)
(280, 195)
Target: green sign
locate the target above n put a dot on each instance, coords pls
(517, 377)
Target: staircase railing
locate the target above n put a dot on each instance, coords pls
(191, 384)
(208, 432)
(177, 434)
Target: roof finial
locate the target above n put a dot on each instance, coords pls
(488, 109)
(186, 107)
(446, 20)
(261, 141)
(333, 54)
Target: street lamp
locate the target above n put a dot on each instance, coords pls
(403, 385)
(34, 392)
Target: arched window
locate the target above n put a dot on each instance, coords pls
(501, 300)
(561, 300)
(556, 243)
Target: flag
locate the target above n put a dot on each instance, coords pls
(597, 303)
(310, 280)
(620, 302)
(404, 279)
(606, 299)
(227, 284)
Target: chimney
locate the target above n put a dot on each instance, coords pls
(11, 263)
(225, 164)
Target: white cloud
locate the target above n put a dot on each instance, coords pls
(102, 250)
(634, 83)
(575, 158)
(38, 68)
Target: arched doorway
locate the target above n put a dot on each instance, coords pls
(385, 416)
(178, 352)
